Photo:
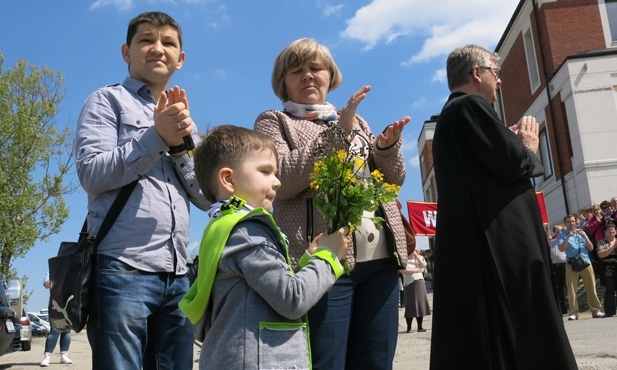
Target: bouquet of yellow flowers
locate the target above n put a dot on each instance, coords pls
(342, 196)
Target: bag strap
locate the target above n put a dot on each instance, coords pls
(114, 212)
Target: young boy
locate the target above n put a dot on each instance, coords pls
(247, 302)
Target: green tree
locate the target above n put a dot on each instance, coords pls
(35, 157)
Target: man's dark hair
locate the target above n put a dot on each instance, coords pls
(154, 18)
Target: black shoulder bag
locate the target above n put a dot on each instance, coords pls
(71, 271)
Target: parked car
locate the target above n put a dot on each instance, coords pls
(35, 318)
(23, 333)
(44, 314)
(23, 330)
(39, 330)
(7, 318)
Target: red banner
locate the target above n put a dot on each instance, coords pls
(540, 196)
(423, 215)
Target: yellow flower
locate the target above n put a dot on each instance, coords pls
(392, 187)
(341, 155)
(377, 175)
(349, 177)
(316, 167)
(341, 196)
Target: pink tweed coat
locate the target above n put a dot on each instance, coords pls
(298, 143)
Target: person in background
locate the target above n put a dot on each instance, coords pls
(558, 269)
(586, 213)
(355, 325)
(595, 231)
(249, 307)
(52, 338)
(416, 298)
(607, 250)
(493, 300)
(593, 227)
(129, 132)
(607, 210)
(613, 206)
(574, 241)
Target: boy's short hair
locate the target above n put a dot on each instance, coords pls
(156, 19)
(226, 146)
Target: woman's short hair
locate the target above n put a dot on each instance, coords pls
(462, 60)
(297, 53)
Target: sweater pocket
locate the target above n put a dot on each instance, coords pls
(284, 345)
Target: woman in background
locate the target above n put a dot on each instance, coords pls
(416, 298)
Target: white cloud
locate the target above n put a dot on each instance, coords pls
(409, 145)
(123, 5)
(220, 73)
(414, 161)
(419, 102)
(120, 4)
(441, 75)
(328, 10)
(452, 24)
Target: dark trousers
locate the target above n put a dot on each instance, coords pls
(609, 295)
(355, 324)
(558, 272)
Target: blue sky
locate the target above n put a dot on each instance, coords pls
(398, 47)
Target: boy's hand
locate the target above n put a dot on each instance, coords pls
(337, 242)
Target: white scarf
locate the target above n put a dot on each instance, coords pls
(311, 112)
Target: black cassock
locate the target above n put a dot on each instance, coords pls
(494, 307)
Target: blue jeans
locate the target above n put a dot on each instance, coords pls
(135, 321)
(355, 325)
(52, 340)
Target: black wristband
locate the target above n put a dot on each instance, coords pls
(177, 149)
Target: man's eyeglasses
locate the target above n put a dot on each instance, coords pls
(496, 70)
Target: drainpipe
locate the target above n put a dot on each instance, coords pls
(550, 107)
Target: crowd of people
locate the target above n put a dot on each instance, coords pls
(590, 236)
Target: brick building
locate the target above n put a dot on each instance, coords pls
(559, 64)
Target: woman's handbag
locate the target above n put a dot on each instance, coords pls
(71, 271)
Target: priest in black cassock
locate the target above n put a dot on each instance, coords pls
(493, 302)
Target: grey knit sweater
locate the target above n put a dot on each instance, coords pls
(300, 145)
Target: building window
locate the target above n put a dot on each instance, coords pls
(611, 12)
(422, 174)
(532, 63)
(545, 154)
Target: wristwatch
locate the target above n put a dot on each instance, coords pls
(177, 149)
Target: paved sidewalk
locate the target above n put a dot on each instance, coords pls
(594, 342)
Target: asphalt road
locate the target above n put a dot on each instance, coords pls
(594, 342)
